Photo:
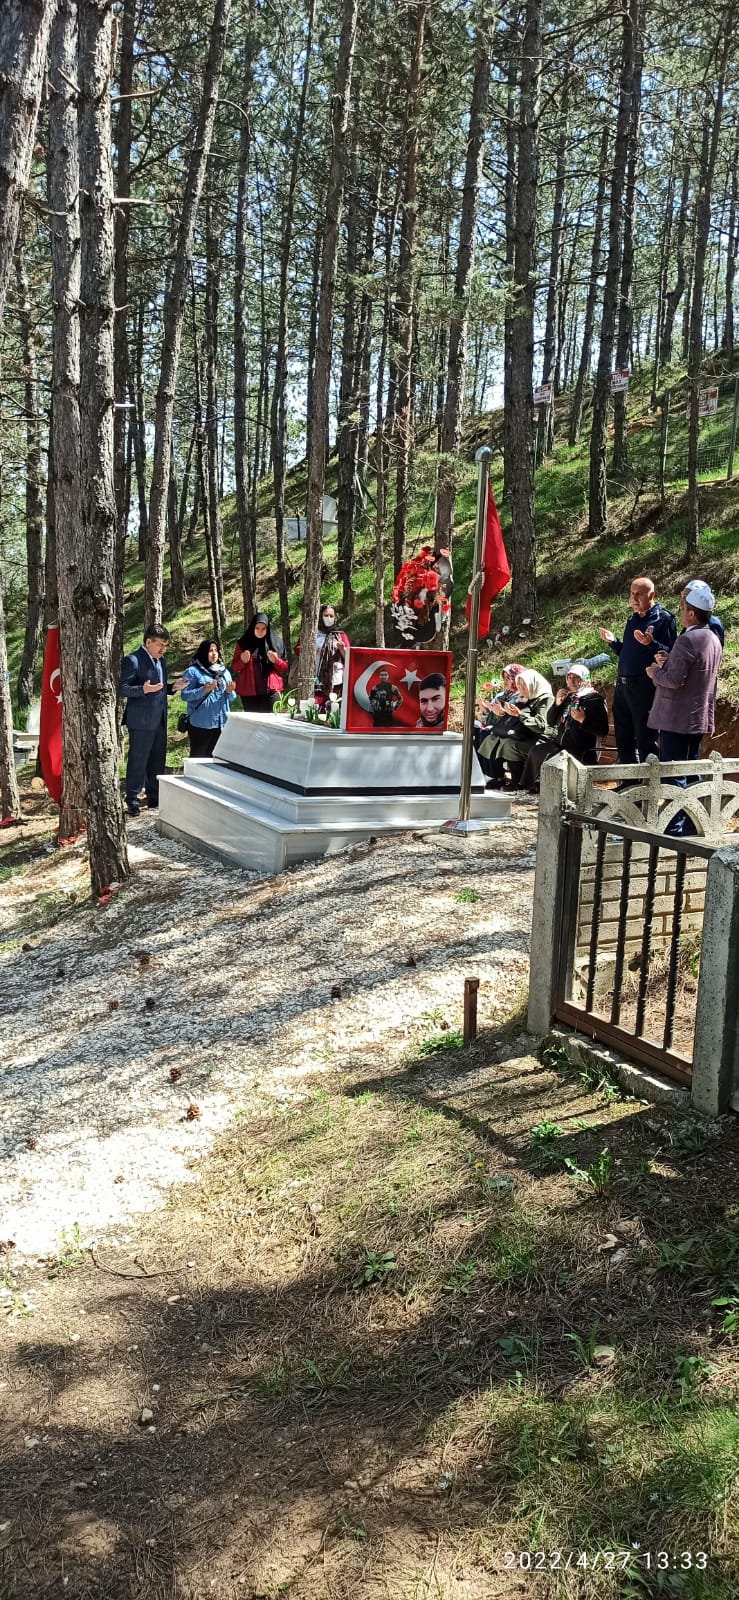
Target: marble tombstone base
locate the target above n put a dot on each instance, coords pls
(279, 791)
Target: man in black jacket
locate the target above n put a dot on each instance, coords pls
(649, 628)
(143, 685)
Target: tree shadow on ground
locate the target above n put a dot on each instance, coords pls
(505, 1384)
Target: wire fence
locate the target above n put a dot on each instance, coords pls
(717, 437)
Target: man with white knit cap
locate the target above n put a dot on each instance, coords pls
(685, 685)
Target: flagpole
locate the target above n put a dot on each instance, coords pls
(482, 457)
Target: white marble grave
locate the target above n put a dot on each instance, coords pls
(279, 791)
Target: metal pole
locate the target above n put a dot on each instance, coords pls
(482, 458)
(735, 418)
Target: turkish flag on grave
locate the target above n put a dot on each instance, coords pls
(50, 725)
(495, 569)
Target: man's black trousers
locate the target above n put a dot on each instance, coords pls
(147, 757)
(632, 703)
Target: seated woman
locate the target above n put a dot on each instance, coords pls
(207, 690)
(580, 716)
(528, 711)
(495, 718)
(259, 664)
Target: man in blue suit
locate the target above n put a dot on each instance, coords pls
(143, 686)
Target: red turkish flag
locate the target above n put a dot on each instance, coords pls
(495, 569)
(50, 726)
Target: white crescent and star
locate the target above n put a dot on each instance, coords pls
(56, 674)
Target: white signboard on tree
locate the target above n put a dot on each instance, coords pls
(707, 402)
(543, 394)
(619, 381)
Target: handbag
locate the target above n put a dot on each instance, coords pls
(183, 723)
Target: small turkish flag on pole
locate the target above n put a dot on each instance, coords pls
(495, 569)
(50, 725)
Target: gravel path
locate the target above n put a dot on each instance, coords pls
(129, 1036)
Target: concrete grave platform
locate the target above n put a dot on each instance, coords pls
(277, 791)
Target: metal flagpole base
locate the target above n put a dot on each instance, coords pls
(473, 825)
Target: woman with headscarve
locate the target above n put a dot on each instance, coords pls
(331, 647)
(259, 664)
(207, 690)
(495, 719)
(528, 711)
(579, 716)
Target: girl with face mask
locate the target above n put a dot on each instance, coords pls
(259, 664)
(331, 647)
(207, 690)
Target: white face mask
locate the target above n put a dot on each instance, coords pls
(327, 623)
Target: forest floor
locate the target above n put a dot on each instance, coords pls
(370, 1313)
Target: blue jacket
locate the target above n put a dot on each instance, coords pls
(143, 711)
(634, 658)
(207, 710)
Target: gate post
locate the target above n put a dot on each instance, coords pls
(550, 848)
(716, 1048)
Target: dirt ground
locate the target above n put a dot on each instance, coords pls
(390, 1324)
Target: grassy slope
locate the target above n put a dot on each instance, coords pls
(582, 582)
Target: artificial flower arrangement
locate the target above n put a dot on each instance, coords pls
(288, 704)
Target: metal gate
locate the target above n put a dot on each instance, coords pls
(632, 912)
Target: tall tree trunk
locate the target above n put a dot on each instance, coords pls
(451, 425)
(564, 303)
(322, 376)
(174, 534)
(310, 373)
(713, 112)
(625, 308)
(24, 36)
(213, 526)
(34, 490)
(664, 256)
(521, 466)
(136, 396)
(174, 311)
(364, 349)
(347, 430)
(731, 253)
(278, 413)
(598, 499)
(512, 68)
(673, 298)
(406, 290)
(185, 485)
(545, 424)
(247, 553)
(592, 294)
(51, 584)
(64, 454)
(94, 595)
(10, 802)
(123, 128)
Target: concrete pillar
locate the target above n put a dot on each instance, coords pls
(716, 1048)
(550, 846)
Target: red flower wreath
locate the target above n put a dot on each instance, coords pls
(418, 584)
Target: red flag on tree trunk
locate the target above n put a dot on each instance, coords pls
(50, 726)
(495, 569)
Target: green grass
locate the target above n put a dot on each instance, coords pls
(582, 583)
